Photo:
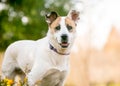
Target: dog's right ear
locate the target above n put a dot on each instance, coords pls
(74, 15)
(50, 17)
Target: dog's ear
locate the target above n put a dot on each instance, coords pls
(74, 15)
(50, 17)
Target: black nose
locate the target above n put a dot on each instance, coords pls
(64, 38)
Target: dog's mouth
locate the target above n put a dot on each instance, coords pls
(64, 44)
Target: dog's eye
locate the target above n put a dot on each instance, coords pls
(57, 28)
(69, 27)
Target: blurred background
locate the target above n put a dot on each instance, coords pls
(95, 56)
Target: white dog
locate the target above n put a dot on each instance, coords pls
(45, 60)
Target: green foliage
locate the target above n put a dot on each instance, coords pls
(12, 27)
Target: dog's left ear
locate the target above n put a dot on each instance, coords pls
(50, 17)
(74, 15)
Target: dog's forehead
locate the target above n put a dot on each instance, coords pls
(62, 21)
(67, 21)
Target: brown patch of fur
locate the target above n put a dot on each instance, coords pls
(70, 22)
(55, 24)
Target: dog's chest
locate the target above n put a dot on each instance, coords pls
(59, 62)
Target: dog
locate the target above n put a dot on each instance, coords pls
(45, 60)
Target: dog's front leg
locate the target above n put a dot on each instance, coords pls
(53, 77)
(37, 73)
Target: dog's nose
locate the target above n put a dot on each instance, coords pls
(64, 37)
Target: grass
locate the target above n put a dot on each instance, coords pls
(1, 58)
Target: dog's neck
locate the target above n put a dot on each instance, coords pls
(55, 50)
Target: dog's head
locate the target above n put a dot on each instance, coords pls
(62, 30)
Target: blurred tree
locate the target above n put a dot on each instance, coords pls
(23, 19)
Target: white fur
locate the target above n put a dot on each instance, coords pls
(35, 58)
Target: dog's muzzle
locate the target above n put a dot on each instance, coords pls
(64, 41)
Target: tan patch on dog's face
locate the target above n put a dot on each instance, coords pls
(55, 24)
(70, 23)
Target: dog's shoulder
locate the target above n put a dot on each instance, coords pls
(43, 41)
(22, 43)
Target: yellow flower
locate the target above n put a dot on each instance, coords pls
(8, 85)
(25, 79)
(8, 82)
